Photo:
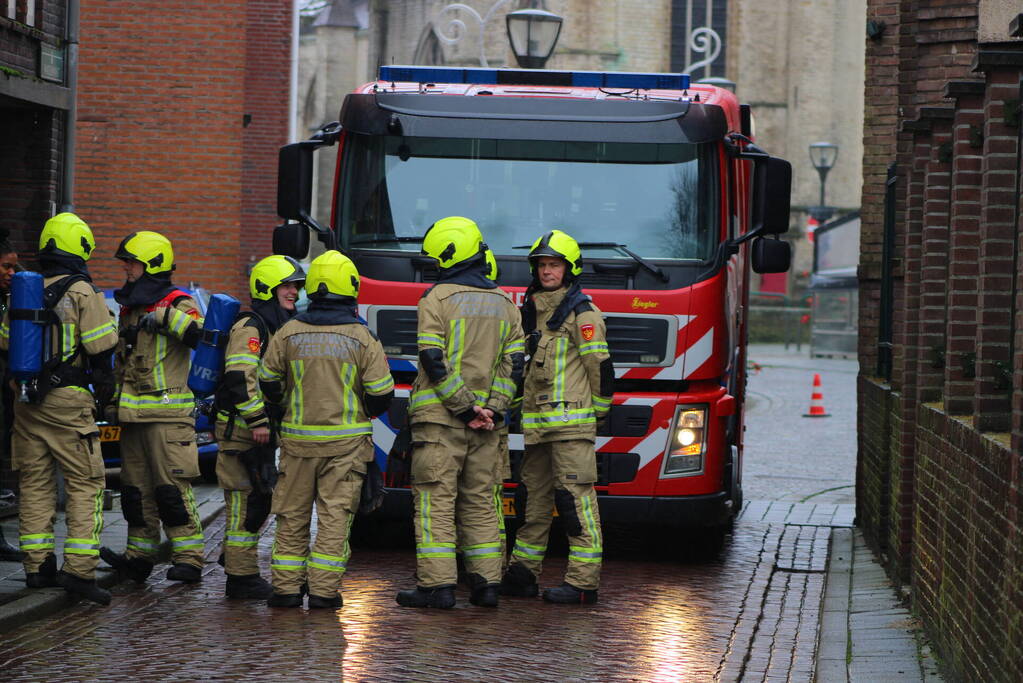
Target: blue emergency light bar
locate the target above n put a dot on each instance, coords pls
(578, 79)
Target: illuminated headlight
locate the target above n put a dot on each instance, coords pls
(203, 438)
(684, 452)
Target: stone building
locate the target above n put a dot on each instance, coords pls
(941, 329)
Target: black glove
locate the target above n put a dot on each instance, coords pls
(260, 466)
(152, 322)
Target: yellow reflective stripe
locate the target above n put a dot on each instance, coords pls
(161, 353)
(456, 346)
(450, 386)
(5, 331)
(558, 418)
(99, 332)
(380, 386)
(503, 386)
(517, 346)
(297, 373)
(426, 339)
(349, 402)
(592, 347)
(423, 398)
(178, 322)
(156, 401)
(325, 432)
(560, 359)
(251, 406)
(268, 375)
(241, 359)
(424, 516)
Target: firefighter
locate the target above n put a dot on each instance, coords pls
(8, 267)
(245, 466)
(58, 425)
(330, 375)
(470, 352)
(159, 326)
(568, 387)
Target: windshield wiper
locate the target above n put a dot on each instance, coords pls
(383, 239)
(656, 270)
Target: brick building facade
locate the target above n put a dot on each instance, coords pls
(181, 110)
(941, 340)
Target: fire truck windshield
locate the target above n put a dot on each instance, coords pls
(660, 199)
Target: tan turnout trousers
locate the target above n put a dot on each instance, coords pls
(450, 464)
(160, 459)
(60, 430)
(334, 486)
(561, 474)
(240, 544)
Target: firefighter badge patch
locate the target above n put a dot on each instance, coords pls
(587, 331)
(254, 344)
(193, 313)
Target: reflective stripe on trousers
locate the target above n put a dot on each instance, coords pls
(290, 563)
(37, 542)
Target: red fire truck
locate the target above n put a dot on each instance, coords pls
(670, 199)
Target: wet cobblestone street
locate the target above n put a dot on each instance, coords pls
(746, 615)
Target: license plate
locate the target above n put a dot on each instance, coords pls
(508, 507)
(109, 433)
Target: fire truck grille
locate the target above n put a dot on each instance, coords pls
(637, 341)
(396, 328)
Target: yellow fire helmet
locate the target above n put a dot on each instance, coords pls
(272, 272)
(491, 271)
(453, 240)
(559, 245)
(149, 248)
(332, 274)
(68, 234)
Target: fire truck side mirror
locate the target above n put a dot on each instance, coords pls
(772, 190)
(295, 180)
(291, 239)
(771, 255)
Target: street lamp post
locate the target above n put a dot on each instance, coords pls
(533, 33)
(823, 156)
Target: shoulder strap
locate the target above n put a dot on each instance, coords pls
(261, 328)
(55, 291)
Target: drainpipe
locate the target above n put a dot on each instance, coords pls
(293, 87)
(68, 189)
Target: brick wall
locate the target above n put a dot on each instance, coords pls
(939, 472)
(162, 145)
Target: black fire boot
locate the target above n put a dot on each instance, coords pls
(8, 553)
(284, 600)
(185, 573)
(45, 576)
(84, 588)
(481, 593)
(135, 568)
(248, 587)
(441, 597)
(518, 582)
(567, 594)
(318, 602)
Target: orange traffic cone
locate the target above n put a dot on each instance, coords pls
(816, 399)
